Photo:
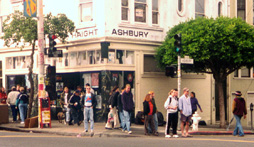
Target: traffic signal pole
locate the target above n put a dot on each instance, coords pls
(41, 83)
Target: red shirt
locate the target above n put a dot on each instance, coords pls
(3, 97)
(151, 108)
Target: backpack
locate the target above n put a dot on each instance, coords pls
(140, 118)
(161, 121)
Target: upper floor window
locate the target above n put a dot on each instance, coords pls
(140, 11)
(86, 10)
(199, 8)
(241, 8)
(155, 11)
(244, 73)
(125, 9)
(219, 8)
(180, 5)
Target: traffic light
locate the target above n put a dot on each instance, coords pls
(52, 43)
(170, 71)
(50, 82)
(178, 43)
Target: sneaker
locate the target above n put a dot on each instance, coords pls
(130, 132)
(175, 136)
(79, 135)
(92, 133)
(167, 136)
(126, 131)
(22, 122)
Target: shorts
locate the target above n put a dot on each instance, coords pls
(185, 118)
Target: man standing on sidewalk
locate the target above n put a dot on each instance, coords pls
(239, 110)
(89, 102)
(11, 100)
(128, 105)
(186, 111)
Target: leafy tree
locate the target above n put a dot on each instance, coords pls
(218, 46)
(19, 29)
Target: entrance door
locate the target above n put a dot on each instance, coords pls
(217, 100)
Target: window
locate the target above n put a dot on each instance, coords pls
(86, 10)
(140, 11)
(236, 73)
(245, 72)
(150, 64)
(241, 8)
(1, 25)
(219, 8)
(199, 8)
(155, 11)
(125, 10)
(180, 5)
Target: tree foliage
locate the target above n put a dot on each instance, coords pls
(20, 29)
(219, 46)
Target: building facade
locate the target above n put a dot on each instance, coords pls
(131, 29)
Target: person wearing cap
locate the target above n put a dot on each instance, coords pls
(186, 111)
(239, 110)
(11, 100)
(74, 103)
(155, 117)
(21, 103)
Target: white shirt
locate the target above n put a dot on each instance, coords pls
(173, 103)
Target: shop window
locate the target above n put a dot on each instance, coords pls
(125, 10)
(120, 54)
(155, 11)
(150, 64)
(180, 5)
(241, 8)
(91, 57)
(86, 10)
(219, 8)
(199, 8)
(111, 56)
(245, 72)
(129, 57)
(73, 59)
(140, 11)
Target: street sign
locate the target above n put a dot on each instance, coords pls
(187, 60)
(57, 53)
(30, 8)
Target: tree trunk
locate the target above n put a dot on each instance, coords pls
(221, 103)
(30, 78)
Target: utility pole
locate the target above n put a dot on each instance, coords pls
(179, 75)
(41, 83)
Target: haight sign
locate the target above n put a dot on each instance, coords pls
(84, 34)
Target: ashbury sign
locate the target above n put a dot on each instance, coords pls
(129, 32)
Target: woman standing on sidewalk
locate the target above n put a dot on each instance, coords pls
(21, 103)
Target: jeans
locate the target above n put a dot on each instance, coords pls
(67, 114)
(14, 112)
(127, 121)
(22, 111)
(238, 127)
(122, 120)
(155, 119)
(149, 121)
(88, 113)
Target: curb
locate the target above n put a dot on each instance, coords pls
(217, 133)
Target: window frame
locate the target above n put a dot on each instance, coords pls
(244, 9)
(198, 14)
(220, 9)
(146, 11)
(83, 3)
(128, 10)
(156, 11)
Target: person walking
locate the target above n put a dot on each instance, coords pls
(11, 100)
(186, 112)
(75, 106)
(64, 101)
(89, 102)
(120, 109)
(128, 105)
(113, 115)
(239, 110)
(194, 103)
(155, 117)
(171, 105)
(149, 108)
(21, 103)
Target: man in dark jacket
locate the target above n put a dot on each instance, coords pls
(74, 103)
(89, 102)
(239, 110)
(128, 105)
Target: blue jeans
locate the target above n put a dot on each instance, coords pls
(122, 120)
(155, 120)
(238, 127)
(68, 114)
(14, 112)
(127, 121)
(88, 112)
(22, 111)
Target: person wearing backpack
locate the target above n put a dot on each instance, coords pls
(171, 105)
(21, 103)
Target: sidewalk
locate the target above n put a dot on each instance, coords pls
(100, 131)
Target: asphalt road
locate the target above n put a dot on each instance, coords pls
(14, 139)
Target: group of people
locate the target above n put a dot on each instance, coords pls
(123, 102)
(77, 103)
(17, 99)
